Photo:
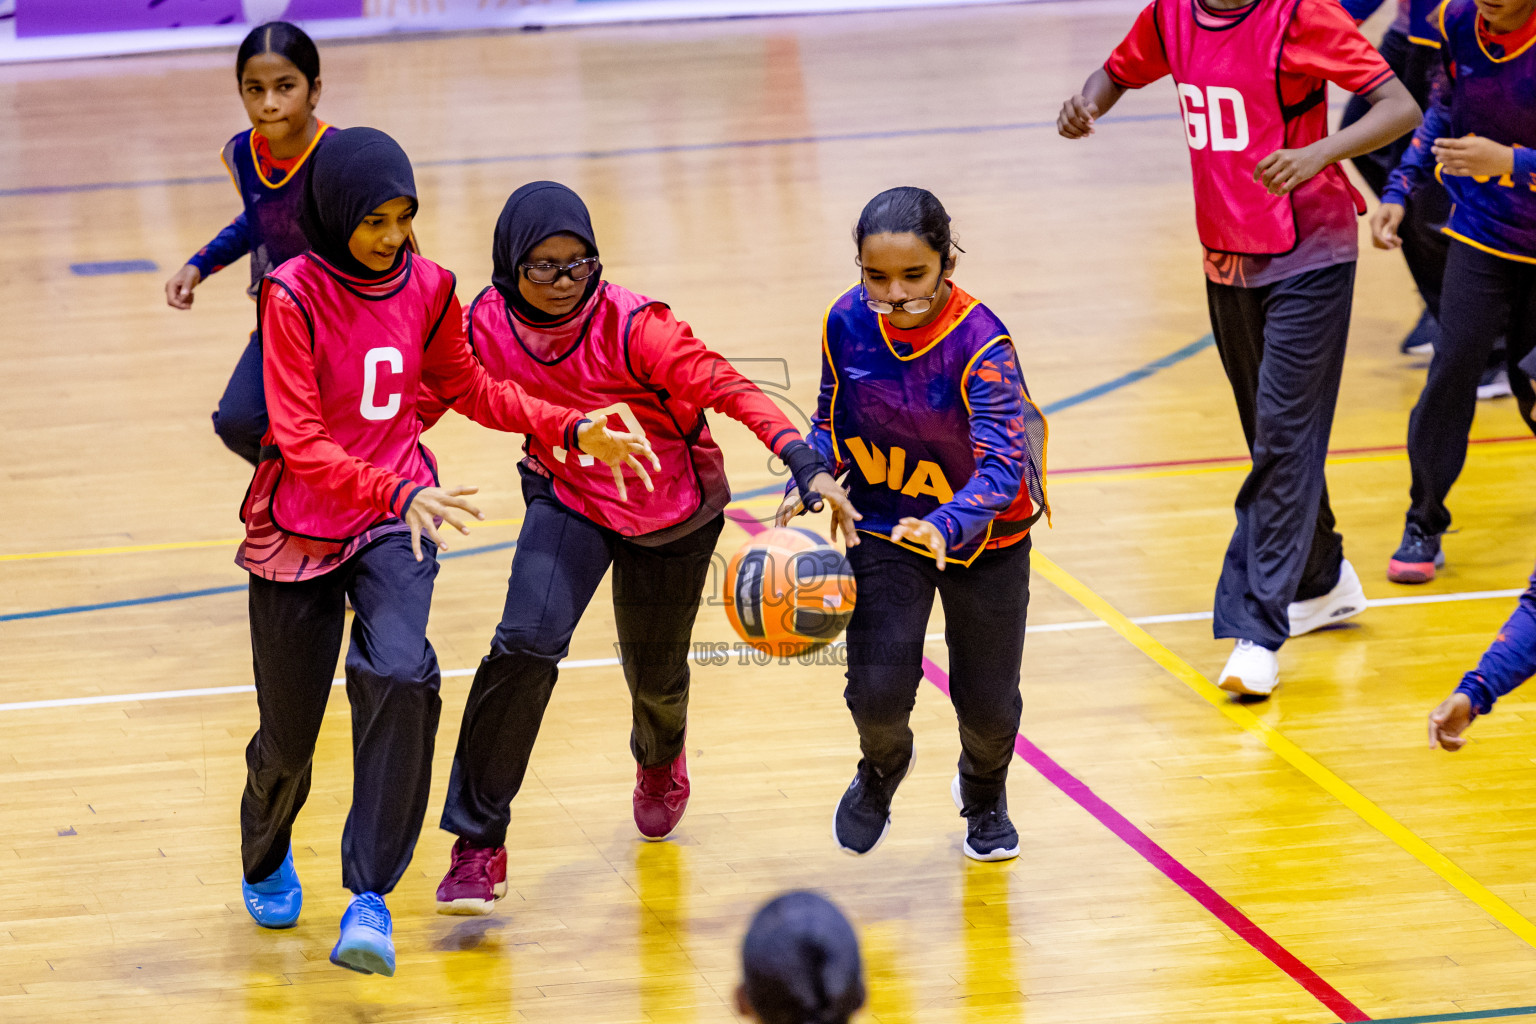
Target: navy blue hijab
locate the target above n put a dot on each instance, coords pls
(533, 213)
(354, 173)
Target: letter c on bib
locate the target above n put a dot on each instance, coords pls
(1191, 102)
(371, 409)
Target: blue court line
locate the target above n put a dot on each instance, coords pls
(1098, 391)
(75, 609)
(1438, 1018)
(609, 154)
(114, 267)
(1140, 373)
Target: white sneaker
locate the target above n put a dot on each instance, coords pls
(1251, 670)
(1345, 600)
(1494, 384)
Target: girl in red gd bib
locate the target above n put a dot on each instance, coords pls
(1276, 216)
(553, 324)
(353, 331)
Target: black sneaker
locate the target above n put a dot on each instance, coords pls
(1421, 340)
(989, 835)
(1416, 558)
(863, 815)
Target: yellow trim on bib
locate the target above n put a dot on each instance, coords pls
(256, 162)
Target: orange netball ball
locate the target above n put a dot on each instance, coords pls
(788, 591)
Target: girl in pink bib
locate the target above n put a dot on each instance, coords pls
(551, 322)
(352, 332)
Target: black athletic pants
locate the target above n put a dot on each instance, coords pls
(985, 605)
(392, 684)
(241, 418)
(1427, 210)
(1486, 297)
(561, 558)
(1282, 345)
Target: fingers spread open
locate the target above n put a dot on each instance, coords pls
(639, 469)
(459, 503)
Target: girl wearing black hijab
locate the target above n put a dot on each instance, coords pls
(550, 322)
(342, 495)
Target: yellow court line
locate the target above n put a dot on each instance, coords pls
(1288, 751)
(183, 545)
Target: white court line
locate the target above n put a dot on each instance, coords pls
(574, 663)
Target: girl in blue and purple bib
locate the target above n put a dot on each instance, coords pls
(278, 69)
(923, 405)
(1479, 140)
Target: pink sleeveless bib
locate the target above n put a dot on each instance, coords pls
(367, 353)
(1229, 95)
(595, 372)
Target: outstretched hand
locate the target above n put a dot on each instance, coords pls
(618, 449)
(433, 503)
(844, 515)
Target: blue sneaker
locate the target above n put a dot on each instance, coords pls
(276, 900)
(365, 945)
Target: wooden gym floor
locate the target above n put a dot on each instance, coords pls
(1185, 859)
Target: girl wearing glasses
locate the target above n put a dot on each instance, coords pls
(923, 403)
(550, 322)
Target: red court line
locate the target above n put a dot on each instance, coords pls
(1219, 460)
(1136, 839)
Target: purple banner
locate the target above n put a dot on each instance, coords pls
(70, 17)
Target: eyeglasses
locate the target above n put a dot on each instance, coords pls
(549, 273)
(916, 307)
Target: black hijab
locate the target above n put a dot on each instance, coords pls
(533, 213)
(354, 173)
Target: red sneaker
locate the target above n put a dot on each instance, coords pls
(475, 881)
(661, 797)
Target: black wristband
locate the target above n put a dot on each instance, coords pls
(804, 463)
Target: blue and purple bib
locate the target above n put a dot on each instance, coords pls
(1493, 94)
(272, 208)
(900, 420)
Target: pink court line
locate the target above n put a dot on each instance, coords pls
(1169, 865)
(1228, 460)
(1136, 839)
